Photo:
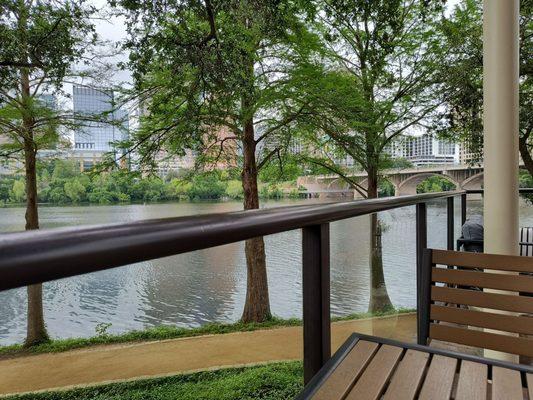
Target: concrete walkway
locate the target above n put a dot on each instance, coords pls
(101, 364)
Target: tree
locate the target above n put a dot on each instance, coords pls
(461, 72)
(206, 186)
(218, 77)
(377, 83)
(18, 192)
(41, 42)
(435, 183)
(75, 190)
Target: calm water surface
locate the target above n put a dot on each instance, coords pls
(209, 285)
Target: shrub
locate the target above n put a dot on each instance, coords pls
(206, 186)
(234, 190)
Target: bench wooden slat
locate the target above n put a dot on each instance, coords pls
(506, 384)
(495, 301)
(508, 323)
(482, 260)
(487, 340)
(517, 283)
(439, 379)
(371, 384)
(342, 379)
(529, 379)
(472, 383)
(408, 376)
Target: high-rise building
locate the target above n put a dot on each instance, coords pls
(48, 100)
(98, 136)
(166, 163)
(468, 156)
(428, 150)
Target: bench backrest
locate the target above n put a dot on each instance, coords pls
(526, 241)
(461, 292)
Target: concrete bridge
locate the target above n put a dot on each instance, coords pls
(404, 181)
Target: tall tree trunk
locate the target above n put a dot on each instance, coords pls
(36, 330)
(257, 305)
(379, 297)
(524, 152)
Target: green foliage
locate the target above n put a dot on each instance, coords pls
(207, 186)
(61, 182)
(18, 192)
(400, 163)
(526, 181)
(277, 381)
(234, 190)
(288, 169)
(435, 184)
(385, 188)
(270, 191)
(6, 188)
(461, 73)
(75, 190)
(101, 329)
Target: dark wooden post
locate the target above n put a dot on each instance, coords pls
(463, 209)
(424, 297)
(451, 221)
(316, 309)
(421, 244)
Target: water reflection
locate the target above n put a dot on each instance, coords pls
(209, 285)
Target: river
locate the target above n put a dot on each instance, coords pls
(209, 285)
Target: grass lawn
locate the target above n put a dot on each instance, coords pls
(277, 381)
(169, 332)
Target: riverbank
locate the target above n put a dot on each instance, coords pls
(121, 362)
(169, 332)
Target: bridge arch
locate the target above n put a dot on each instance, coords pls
(474, 182)
(338, 184)
(409, 185)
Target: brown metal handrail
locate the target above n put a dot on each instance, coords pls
(39, 256)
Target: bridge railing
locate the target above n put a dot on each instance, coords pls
(38, 256)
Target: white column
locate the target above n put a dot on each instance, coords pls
(500, 128)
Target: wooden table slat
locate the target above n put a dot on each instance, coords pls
(341, 380)
(371, 368)
(371, 383)
(529, 379)
(506, 384)
(439, 379)
(472, 383)
(408, 376)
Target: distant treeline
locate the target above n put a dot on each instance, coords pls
(62, 182)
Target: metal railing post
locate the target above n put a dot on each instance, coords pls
(316, 298)
(463, 209)
(451, 227)
(421, 244)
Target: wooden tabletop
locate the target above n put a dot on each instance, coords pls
(367, 367)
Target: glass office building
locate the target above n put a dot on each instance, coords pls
(48, 100)
(98, 136)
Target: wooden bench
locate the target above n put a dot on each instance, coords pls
(371, 368)
(454, 305)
